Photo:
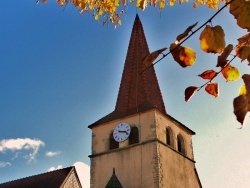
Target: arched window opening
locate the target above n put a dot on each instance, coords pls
(180, 144)
(134, 136)
(169, 136)
(112, 143)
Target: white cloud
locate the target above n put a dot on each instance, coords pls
(55, 168)
(21, 144)
(4, 164)
(83, 172)
(52, 153)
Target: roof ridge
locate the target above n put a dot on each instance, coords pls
(70, 167)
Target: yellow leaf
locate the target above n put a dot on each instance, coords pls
(212, 39)
(185, 56)
(172, 2)
(243, 52)
(230, 73)
(222, 59)
(209, 74)
(189, 92)
(141, 4)
(96, 17)
(240, 10)
(212, 89)
(152, 57)
(188, 56)
(243, 90)
(162, 4)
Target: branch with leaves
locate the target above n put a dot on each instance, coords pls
(212, 40)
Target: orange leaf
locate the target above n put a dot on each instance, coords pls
(212, 89)
(189, 92)
(222, 59)
(152, 57)
(209, 74)
(230, 73)
(185, 56)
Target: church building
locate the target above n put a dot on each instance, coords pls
(139, 141)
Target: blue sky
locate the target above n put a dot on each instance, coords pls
(60, 72)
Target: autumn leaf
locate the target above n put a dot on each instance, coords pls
(212, 89)
(243, 52)
(230, 73)
(244, 40)
(148, 61)
(141, 4)
(189, 92)
(172, 2)
(124, 2)
(243, 90)
(241, 108)
(222, 59)
(212, 39)
(248, 59)
(240, 10)
(185, 33)
(209, 74)
(185, 56)
(241, 103)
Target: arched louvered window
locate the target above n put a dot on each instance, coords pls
(134, 136)
(112, 143)
(169, 136)
(180, 144)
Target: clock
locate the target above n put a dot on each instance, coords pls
(121, 132)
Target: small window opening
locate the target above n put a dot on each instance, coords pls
(180, 144)
(134, 136)
(112, 143)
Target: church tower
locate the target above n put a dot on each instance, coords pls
(147, 147)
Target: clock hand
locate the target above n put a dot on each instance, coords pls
(123, 132)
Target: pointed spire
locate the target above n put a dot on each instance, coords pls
(138, 91)
(113, 181)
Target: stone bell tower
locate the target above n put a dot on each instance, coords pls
(145, 145)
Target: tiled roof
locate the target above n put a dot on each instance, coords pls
(138, 92)
(113, 182)
(53, 179)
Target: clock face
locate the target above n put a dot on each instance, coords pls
(121, 132)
